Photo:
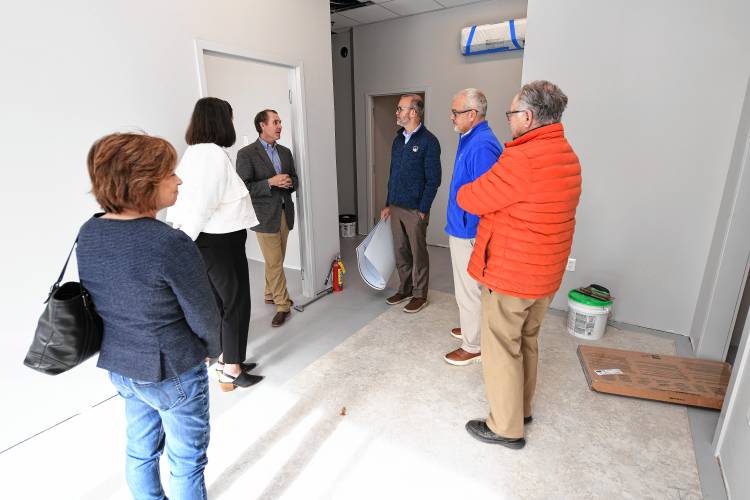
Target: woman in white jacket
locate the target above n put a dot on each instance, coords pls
(215, 210)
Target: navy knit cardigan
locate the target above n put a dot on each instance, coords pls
(149, 284)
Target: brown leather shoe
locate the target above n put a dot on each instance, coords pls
(279, 318)
(456, 333)
(459, 357)
(270, 301)
(397, 298)
(416, 304)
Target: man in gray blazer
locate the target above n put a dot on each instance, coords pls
(267, 168)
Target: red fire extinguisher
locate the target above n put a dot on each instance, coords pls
(338, 271)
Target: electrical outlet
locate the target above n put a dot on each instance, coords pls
(571, 264)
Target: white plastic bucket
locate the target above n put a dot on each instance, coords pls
(586, 321)
(347, 226)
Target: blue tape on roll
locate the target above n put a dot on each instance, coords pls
(468, 42)
(513, 34)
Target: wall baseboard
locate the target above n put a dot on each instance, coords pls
(620, 325)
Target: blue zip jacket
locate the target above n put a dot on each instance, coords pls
(415, 170)
(476, 153)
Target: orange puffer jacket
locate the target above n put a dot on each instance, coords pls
(527, 203)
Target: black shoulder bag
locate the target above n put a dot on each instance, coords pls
(69, 330)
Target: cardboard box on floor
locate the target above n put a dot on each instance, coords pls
(672, 379)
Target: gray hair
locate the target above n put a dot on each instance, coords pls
(474, 99)
(544, 99)
(417, 104)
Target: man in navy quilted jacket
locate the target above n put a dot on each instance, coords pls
(412, 185)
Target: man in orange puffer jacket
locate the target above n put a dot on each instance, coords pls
(527, 204)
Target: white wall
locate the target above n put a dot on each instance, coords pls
(422, 52)
(655, 93)
(77, 70)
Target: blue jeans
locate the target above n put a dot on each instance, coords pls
(173, 412)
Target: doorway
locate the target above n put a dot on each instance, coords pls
(383, 129)
(720, 326)
(250, 84)
(739, 320)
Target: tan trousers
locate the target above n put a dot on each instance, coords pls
(468, 293)
(510, 353)
(273, 247)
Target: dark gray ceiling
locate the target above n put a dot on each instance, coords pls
(342, 5)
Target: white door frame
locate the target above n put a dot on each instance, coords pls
(299, 134)
(724, 277)
(729, 407)
(370, 170)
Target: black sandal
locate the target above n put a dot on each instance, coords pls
(230, 383)
(245, 367)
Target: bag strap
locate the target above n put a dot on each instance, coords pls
(56, 285)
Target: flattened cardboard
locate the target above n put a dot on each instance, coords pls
(672, 379)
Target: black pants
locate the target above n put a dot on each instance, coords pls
(226, 263)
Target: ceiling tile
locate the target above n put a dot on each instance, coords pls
(370, 14)
(409, 7)
(453, 3)
(341, 22)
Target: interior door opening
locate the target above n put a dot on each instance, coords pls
(382, 131)
(739, 320)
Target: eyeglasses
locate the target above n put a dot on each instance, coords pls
(400, 109)
(456, 113)
(508, 113)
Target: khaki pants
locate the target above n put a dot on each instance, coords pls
(468, 293)
(510, 353)
(410, 245)
(273, 247)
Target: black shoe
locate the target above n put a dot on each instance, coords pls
(245, 367)
(230, 383)
(479, 430)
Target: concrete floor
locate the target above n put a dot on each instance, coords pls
(284, 352)
(281, 353)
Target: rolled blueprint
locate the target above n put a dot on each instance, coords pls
(375, 256)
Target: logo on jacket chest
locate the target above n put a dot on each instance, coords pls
(415, 148)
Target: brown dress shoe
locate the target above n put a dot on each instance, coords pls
(416, 304)
(279, 318)
(270, 301)
(397, 298)
(456, 333)
(459, 357)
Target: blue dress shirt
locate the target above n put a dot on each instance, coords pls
(273, 154)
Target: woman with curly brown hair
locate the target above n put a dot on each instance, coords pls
(149, 285)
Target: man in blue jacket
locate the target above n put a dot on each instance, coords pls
(412, 185)
(478, 149)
